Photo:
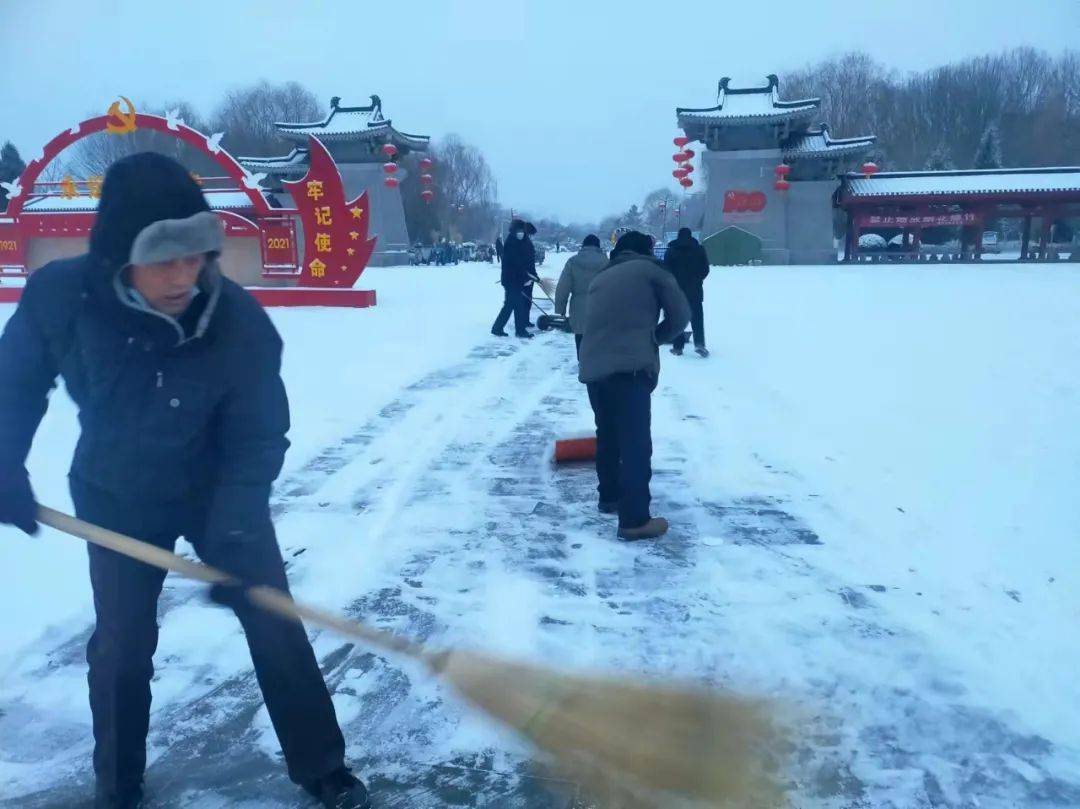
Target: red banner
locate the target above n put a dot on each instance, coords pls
(12, 248)
(918, 220)
(279, 247)
(336, 243)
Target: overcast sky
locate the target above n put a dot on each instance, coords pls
(572, 101)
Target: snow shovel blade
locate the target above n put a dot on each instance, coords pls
(569, 450)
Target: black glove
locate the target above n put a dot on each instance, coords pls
(17, 504)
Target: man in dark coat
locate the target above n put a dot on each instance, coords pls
(175, 371)
(689, 263)
(620, 363)
(518, 270)
(498, 248)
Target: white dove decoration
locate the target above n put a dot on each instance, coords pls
(13, 188)
(173, 119)
(75, 129)
(253, 181)
(213, 143)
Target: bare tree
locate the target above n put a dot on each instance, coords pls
(93, 155)
(247, 116)
(465, 204)
(1033, 99)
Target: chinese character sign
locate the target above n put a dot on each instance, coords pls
(336, 243)
(956, 219)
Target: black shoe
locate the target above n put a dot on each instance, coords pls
(340, 790)
(702, 351)
(608, 507)
(676, 350)
(524, 335)
(531, 325)
(499, 333)
(131, 798)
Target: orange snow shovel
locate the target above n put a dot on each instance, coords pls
(570, 450)
(629, 742)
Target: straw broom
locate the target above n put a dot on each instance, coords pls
(631, 744)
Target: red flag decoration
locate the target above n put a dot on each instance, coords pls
(336, 243)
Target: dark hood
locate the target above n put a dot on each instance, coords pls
(138, 191)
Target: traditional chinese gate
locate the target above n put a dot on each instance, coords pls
(311, 254)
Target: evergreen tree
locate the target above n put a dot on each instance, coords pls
(988, 154)
(11, 166)
(940, 159)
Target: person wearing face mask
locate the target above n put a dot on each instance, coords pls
(175, 371)
(518, 270)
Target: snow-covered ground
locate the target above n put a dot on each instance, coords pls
(873, 489)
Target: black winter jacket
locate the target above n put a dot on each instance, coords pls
(518, 261)
(168, 413)
(688, 262)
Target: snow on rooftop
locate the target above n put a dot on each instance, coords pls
(751, 104)
(816, 143)
(218, 201)
(297, 158)
(999, 181)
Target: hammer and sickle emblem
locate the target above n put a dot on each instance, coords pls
(120, 123)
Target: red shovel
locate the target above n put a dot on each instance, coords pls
(568, 450)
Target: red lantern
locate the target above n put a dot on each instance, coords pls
(689, 169)
(428, 195)
(689, 153)
(686, 182)
(870, 168)
(782, 171)
(391, 182)
(681, 141)
(390, 168)
(781, 185)
(426, 179)
(426, 164)
(389, 150)
(679, 173)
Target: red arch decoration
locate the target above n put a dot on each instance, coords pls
(154, 123)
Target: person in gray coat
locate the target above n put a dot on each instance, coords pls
(574, 282)
(620, 363)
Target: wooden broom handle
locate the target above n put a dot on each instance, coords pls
(268, 598)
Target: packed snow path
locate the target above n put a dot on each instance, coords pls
(436, 512)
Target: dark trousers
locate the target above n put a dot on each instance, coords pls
(121, 649)
(622, 404)
(697, 323)
(515, 303)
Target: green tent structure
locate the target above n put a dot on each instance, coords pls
(732, 246)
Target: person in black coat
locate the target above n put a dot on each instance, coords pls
(498, 249)
(518, 270)
(688, 262)
(175, 371)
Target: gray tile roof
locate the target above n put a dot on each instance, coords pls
(817, 144)
(944, 183)
(749, 105)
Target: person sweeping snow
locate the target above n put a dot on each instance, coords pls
(175, 371)
(620, 364)
(518, 271)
